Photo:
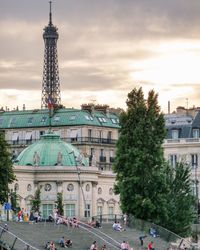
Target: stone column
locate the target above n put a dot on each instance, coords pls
(94, 199)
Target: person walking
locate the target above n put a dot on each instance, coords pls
(141, 238)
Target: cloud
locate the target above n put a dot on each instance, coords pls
(105, 48)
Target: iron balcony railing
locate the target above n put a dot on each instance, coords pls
(77, 140)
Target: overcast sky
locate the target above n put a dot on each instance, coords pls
(105, 49)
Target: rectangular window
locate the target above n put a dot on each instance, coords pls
(113, 120)
(28, 137)
(175, 134)
(42, 133)
(89, 134)
(30, 120)
(109, 137)
(111, 212)
(111, 155)
(99, 210)
(47, 209)
(194, 160)
(15, 138)
(173, 160)
(87, 210)
(195, 133)
(92, 151)
(43, 119)
(70, 210)
(100, 135)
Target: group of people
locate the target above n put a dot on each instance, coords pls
(50, 245)
(95, 247)
(65, 242)
(94, 223)
(23, 215)
(125, 246)
(117, 226)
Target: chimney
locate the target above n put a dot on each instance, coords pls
(88, 107)
(168, 107)
(102, 108)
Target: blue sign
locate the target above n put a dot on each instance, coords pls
(7, 206)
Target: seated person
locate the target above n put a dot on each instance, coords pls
(62, 242)
(104, 247)
(92, 223)
(94, 246)
(68, 243)
(47, 245)
(97, 224)
(124, 245)
(150, 246)
(66, 222)
(117, 226)
(50, 246)
(153, 232)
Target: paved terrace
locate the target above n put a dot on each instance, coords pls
(39, 233)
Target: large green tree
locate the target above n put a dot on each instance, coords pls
(149, 187)
(180, 200)
(139, 158)
(6, 170)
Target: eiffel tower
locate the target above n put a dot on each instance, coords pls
(51, 85)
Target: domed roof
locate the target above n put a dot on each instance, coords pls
(50, 150)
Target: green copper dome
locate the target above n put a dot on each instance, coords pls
(50, 150)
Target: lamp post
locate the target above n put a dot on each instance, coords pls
(79, 178)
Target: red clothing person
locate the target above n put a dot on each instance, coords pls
(150, 246)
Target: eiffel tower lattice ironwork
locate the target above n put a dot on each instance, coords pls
(51, 84)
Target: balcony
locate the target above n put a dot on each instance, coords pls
(104, 166)
(182, 141)
(77, 140)
(102, 158)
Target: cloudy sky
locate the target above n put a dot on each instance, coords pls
(105, 49)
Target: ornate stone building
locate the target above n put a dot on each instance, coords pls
(55, 167)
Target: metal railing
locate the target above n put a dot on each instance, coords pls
(77, 140)
(173, 240)
(182, 140)
(9, 241)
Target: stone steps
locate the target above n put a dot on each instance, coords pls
(38, 234)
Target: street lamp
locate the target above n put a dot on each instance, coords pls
(79, 178)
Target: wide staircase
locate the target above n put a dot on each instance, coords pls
(23, 235)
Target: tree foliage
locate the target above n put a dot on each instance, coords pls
(14, 202)
(6, 170)
(36, 201)
(141, 170)
(181, 202)
(59, 203)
